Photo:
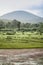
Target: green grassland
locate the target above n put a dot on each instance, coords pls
(21, 40)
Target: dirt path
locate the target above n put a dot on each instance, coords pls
(21, 56)
(20, 51)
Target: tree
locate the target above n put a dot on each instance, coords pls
(2, 24)
(8, 25)
(40, 29)
(18, 25)
(14, 24)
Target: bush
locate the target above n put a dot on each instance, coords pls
(9, 38)
(34, 37)
(10, 33)
(41, 38)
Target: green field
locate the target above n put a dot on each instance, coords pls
(21, 40)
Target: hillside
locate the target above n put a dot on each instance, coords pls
(22, 16)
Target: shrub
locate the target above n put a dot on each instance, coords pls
(10, 33)
(9, 38)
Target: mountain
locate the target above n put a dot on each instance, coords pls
(22, 16)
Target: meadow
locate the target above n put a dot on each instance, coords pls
(21, 40)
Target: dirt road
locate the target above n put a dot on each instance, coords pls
(20, 51)
(21, 56)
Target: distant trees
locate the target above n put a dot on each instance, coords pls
(15, 24)
(27, 25)
(40, 29)
(8, 25)
(2, 25)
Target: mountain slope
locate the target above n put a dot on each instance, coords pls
(22, 16)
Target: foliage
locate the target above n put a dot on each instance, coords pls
(15, 34)
(18, 26)
(40, 29)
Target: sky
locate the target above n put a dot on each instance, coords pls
(33, 6)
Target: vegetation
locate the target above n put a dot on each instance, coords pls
(21, 35)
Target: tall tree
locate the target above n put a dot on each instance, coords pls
(18, 25)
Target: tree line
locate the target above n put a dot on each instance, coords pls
(15, 24)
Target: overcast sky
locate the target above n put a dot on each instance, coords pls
(33, 6)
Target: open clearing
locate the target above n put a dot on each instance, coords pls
(19, 40)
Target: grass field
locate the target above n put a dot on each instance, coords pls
(19, 40)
